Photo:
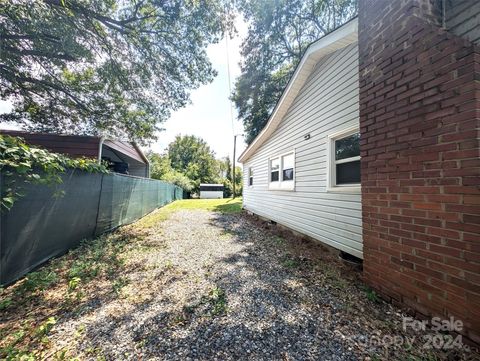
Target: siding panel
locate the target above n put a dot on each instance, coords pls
(463, 19)
(327, 103)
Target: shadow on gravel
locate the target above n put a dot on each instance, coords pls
(273, 310)
(286, 298)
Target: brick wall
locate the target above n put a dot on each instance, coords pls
(419, 119)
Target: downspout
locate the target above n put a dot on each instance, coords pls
(100, 148)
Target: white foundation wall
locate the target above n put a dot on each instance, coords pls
(211, 194)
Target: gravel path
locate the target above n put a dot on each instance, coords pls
(223, 287)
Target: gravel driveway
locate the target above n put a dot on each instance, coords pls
(212, 286)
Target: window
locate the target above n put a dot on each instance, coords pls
(282, 172)
(250, 176)
(287, 167)
(274, 169)
(345, 159)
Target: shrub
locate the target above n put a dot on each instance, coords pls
(21, 163)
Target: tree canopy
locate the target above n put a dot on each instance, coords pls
(115, 67)
(279, 33)
(193, 157)
(189, 161)
(160, 168)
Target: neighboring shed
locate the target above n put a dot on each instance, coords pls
(302, 170)
(211, 191)
(124, 157)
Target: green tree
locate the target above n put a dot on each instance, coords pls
(228, 166)
(159, 165)
(193, 157)
(160, 168)
(225, 168)
(116, 67)
(228, 182)
(238, 181)
(179, 179)
(279, 33)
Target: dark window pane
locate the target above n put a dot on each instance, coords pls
(211, 188)
(348, 173)
(274, 176)
(250, 181)
(287, 174)
(347, 147)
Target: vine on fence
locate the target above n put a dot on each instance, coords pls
(21, 163)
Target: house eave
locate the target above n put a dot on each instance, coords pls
(337, 39)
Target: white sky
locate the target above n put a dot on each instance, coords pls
(208, 115)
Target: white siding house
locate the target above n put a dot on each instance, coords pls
(302, 171)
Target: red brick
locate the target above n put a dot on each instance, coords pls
(420, 150)
(445, 250)
(433, 206)
(444, 198)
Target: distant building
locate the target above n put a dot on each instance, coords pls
(211, 191)
(123, 157)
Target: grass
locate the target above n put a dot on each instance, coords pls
(32, 306)
(226, 205)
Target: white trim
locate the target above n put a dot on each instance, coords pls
(273, 184)
(281, 185)
(347, 160)
(337, 39)
(331, 162)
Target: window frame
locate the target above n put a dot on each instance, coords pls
(250, 176)
(286, 185)
(332, 185)
(270, 182)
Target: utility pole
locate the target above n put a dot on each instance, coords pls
(233, 171)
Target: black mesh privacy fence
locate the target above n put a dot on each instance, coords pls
(47, 221)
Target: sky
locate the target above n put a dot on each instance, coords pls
(208, 114)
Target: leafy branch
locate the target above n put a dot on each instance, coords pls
(21, 164)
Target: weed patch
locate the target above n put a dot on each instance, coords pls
(63, 285)
(371, 295)
(289, 262)
(214, 303)
(218, 300)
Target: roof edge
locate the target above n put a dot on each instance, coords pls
(321, 47)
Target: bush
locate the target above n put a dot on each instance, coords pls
(179, 179)
(21, 163)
